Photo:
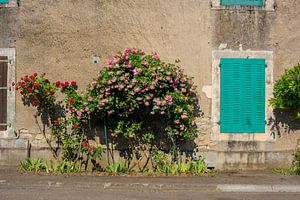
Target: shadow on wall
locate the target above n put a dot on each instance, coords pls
(284, 121)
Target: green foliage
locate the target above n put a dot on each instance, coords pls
(287, 91)
(162, 164)
(65, 167)
(116, 168)
(297, 163)
(296, 166)
(34, 165)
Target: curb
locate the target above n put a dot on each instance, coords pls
(258, 188)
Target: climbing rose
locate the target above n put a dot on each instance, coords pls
(72, 100)
(57, 83)
(75, 126)
(169, 98)
(73, 83)
(85, 143)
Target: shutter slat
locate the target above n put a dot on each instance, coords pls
(3, 93)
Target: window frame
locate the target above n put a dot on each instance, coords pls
(10, 53)
(213, 92)
(269, 5)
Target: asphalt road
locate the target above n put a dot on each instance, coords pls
(225, 186)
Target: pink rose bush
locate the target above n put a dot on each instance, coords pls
(137, 88)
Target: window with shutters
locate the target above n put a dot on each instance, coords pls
(7, 94)
(3, 93)
(4, 1)
(268, 5)
(242, 2)
(8, 3)
(242, 95)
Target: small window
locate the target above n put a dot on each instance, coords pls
(242, 95)
(242, 2)
(3, 92)
(7, 95)
(8, 3)
(4, 1)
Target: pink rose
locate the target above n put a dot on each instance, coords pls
(168, 98)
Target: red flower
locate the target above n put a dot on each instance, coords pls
(57, 83)
(13, 84)
(26, 79)
(32, 83)
(71, 100)
(35, 74)
(30, 90)
(37, 85)
(66, 84)
(21, 92)
(90, 148)
(56, 122)
(52, 93)
(73, 83)
(85, 143)
(34, 103)
(75, 126)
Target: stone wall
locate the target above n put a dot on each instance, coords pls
(64, 38)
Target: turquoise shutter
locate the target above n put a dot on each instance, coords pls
(242, 2)
(242, 95)
(4, 1)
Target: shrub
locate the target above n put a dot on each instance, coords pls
(287, 91)
(137, 89)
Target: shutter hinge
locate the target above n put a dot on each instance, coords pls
(266, 64)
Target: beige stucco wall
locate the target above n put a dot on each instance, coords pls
(60, 36)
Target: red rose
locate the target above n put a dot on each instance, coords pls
(66, 84)
(72, 100)
(30, 90)
(56, 122)
(35, 74)
(73, 83)
(75, 126)
(34, 103)
(90, 148)
(52, 93)
(26, 79)
(57, 83)
(85, 143)
(13, 84)
(21, 92)
(37, 85)
(32, 83)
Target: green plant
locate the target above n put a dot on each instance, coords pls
(34, 165)
(65, 167)
(116, 168)
(297, 163)
(287, 91)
